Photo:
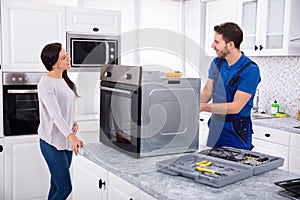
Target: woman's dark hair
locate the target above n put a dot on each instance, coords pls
(230, 32)
(49, 57)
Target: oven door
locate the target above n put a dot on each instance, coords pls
(20, 110)
(120, 117)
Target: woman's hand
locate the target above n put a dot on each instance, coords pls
(75, 143)
(75, 128)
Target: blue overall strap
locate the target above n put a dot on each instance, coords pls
(236, 77)
(217, 72)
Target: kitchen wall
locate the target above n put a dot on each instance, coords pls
(280, 81)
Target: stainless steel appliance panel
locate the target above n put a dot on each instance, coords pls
(148, 114)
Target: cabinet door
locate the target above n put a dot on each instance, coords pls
(1, 168)
(120, 189)
(273, 142)
(294, 153)
(93, 21)
(272, 149)
(218, 12)
(203, 130)
(26, 172)
(266, 26)
(27, 28)
(89, 180)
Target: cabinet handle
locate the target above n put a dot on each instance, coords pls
(255, 47)
(1, 148)
(267, 135)
(131, 199)
(201, 120)
(95, 29)
(101, 183)
(260, 47)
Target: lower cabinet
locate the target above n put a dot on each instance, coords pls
(294, 153)
(26, 173)
(119, 189)
(203, 128)
(273, 142)
(91, 181)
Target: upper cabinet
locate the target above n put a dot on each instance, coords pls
(26, 29)
(217, 12)
(269, 27)
(93, 21)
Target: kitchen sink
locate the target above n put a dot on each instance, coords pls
(261, 116)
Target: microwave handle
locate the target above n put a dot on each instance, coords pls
(22, 91)
(115, 90)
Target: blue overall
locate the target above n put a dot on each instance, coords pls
(234, 130)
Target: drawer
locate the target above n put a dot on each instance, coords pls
(271, 135)
(295, 140)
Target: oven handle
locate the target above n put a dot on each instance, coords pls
(115, 90)
(22, 91)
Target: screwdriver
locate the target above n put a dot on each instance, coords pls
(204, 163)
(203, 170)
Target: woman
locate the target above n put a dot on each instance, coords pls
(57, 129)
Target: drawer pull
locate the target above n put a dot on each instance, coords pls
(1, 148)
(267, 135)
(101, 183)
(201, 119)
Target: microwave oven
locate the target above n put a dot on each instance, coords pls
(87, 50)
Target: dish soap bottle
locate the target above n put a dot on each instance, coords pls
(274, 108)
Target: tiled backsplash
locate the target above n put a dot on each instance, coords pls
(281, 81)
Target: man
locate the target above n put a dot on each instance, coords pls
(231, 84)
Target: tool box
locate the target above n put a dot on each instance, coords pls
(219, 167)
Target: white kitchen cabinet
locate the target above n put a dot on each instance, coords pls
(119, 189)
(89, 180)
(273, 142)
(203, 128)
(269, 27)
(93, 21)
(294, 153)
(217, 12)
(26, 172)
(26, 29)
(1, 168)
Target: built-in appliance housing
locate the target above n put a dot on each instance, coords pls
(20, 103)
(146, 114)
(88, 50)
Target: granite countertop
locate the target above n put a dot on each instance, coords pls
(285, 124)
(142, 174)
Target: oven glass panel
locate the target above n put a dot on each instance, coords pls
(21, 110)
(89, 52)
(119, 123)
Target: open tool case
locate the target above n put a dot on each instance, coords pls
(220, 166)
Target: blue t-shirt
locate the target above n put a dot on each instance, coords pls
(248, 81)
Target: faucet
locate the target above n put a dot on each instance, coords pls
(255, 108)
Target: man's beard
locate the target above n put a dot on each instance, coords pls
(223, 53)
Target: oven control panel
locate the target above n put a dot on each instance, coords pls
(14, 78)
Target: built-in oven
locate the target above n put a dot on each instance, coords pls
(20, 103)
(88, 50)
(146, 114)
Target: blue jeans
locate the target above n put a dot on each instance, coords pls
(59, 166)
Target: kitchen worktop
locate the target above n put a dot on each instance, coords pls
(142, 174)
(284, 124)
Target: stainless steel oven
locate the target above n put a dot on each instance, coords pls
(146, 114)
(20, 103)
